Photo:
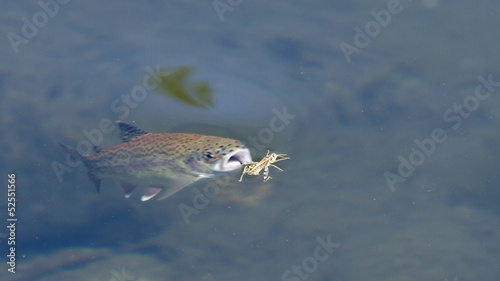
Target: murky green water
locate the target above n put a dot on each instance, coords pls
(388, 110)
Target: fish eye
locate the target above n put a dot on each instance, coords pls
(210, 156)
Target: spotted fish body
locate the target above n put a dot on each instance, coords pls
(164, 162)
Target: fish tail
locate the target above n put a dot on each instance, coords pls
(77, 156)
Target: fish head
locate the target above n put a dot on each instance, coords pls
(214, 155)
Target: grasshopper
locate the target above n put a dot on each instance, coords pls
(254, 168)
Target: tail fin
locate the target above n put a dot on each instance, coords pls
(77, 156)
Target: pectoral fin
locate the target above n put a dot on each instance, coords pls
(176, 186)
(150, 192)
(168, 189)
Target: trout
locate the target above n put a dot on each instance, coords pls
(163, 163)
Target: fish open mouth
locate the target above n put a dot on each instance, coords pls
(239, 157)
(234, 161)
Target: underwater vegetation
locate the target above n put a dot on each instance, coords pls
(175, 84)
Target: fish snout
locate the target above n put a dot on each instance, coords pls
(234, 160)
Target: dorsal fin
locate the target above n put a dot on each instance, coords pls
(129, 132)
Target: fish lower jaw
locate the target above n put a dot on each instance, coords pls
(227, 167)
(233, 162)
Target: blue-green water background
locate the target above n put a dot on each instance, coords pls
(352, 122)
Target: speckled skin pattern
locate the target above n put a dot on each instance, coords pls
(156, 157)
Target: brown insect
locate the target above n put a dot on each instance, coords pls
(255, 168)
